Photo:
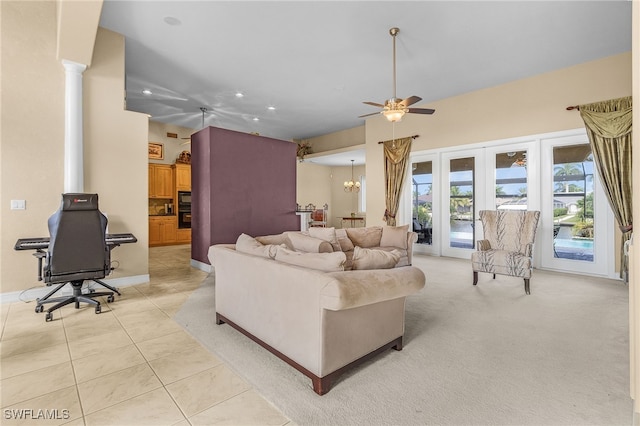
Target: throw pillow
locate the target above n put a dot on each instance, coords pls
(327, 262)
(365, 237)
(247, 244)
(345, 243)
(326, 234)
(394, 236)
(364, 258)
(308, 244)
(276, 239)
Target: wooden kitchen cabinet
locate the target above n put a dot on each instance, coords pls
(163, 230)
(161, 181)
(183, 176)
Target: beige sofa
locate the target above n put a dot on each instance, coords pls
(319, 322)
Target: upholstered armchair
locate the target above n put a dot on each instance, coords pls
(507, 247)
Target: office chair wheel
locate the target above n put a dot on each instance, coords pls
(110, 299)
(39, 309)
(49, 317)
(98, 309)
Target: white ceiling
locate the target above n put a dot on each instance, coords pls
(317, 61)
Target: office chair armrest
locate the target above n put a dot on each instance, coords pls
(40, 255)
(483, 245)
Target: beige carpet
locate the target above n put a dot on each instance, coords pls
(485, 355)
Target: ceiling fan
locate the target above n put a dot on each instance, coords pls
(204, 111)
(394, 108)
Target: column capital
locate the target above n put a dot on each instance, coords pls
(71, 66)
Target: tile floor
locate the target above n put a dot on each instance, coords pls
(130, 365)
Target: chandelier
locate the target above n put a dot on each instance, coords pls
(351, 185)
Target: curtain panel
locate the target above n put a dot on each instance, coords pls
(609, 127)
(396, 155)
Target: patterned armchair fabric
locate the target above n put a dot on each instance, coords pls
(508, 244)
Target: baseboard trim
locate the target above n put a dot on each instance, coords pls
(31, 294)
(201, 265)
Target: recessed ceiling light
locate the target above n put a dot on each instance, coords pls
(256, 119)
(147, 92)
(271, 108)
(170, 20)
(239, 94)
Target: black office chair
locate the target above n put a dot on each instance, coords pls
(77, 252)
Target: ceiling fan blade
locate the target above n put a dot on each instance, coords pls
(374, 104)
(367, 115)
(410, 101)
(421, 110)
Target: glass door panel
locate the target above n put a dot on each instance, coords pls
(422, 201)
(463, 195)
(511, 180)
(573, 219)
(461, 206)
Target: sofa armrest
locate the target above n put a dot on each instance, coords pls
(350, 289)
(483, 245)
(412, 237)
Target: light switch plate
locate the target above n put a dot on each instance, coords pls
(18, 205)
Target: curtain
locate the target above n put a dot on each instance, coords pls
(396, 155)
(609, 126)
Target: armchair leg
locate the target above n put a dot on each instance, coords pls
(526, 286)
(475, 277)
(494, 276)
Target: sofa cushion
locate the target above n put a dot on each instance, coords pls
(327, 262)
(365, 237)
(276, 239)
(326, 234)
(394, 236)
(343, 240)
(404, 258)
(364, 258)
(247, 244)
(307, 243)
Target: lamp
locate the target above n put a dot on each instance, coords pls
(393, 115)
(351, 185)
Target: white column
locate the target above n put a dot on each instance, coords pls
(73, 155)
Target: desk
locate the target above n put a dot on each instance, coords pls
(353, 221)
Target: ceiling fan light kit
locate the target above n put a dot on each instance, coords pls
(395, 108)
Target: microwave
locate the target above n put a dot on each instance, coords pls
(184, 197)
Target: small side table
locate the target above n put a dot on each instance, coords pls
(353, 221)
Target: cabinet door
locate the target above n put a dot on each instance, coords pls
(164, 182)
(169, 230)
(155, 234)
(184, 236)
(152, 181)
(183, 177)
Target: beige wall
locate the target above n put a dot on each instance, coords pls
(32, 141)
(318, 184)
(172, 146)
(634, 261)
(313, 185)
(337, 140)
(116, 156)
(525, 107)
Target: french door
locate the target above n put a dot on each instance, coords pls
(577, 224)
(449, 188)
(554, 174)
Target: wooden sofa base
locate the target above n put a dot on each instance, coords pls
(321, 385)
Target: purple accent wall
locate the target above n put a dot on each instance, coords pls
(241, 183)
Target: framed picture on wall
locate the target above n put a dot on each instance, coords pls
(156, 151)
